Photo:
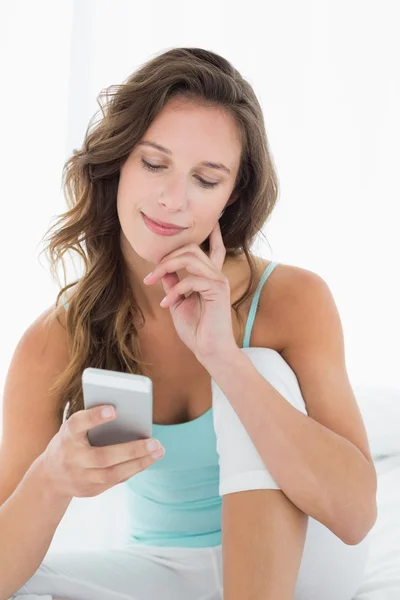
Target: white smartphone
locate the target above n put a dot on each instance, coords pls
(132, 397)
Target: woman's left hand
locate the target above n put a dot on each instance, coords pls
(203, 319)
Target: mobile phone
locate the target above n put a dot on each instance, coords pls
(132, 397)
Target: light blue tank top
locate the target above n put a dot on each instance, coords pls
(176, 501)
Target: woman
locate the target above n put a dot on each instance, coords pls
(249, 498)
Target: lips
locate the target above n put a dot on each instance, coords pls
(165, 225)
(159, 229)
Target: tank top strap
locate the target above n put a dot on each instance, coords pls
(64, 301)
(254, 303)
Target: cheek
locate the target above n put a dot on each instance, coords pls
(201, 230)
(130, 190)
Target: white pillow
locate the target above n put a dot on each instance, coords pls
(380, 410)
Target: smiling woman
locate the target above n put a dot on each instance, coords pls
(181, 142)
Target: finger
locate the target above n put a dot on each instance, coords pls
(106, 456)
(81, 421)
(186, 261)
(217, 247)
(209, 289)
(168, 281)
(120, 472)
(191, 248)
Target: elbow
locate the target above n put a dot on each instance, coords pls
(358, 529)
(354, 524)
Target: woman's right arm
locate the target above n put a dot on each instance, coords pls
(28, 521)
(44, 463)
(30, 507)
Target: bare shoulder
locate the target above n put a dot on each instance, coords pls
(294, 294)
(290, 282)
(288, 290)
(50, 330)
(284, 284)
(40, 355)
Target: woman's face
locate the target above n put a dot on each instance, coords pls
(182, 191)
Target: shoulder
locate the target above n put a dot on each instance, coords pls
(45, 339)
(288, 299)
(295, 285)
(48, 334)
(285, 285)
(40, 356)
(300, 300)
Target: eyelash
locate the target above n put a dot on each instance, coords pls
(153, 168)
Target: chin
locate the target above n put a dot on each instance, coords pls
(152, 251)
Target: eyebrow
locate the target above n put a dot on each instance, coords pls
(206, 163)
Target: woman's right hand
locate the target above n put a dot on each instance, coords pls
(76, 468)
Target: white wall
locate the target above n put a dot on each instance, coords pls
(327, 76)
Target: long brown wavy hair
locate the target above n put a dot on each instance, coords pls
(100, 321)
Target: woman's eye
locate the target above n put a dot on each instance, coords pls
(203, 182)
(152, 167)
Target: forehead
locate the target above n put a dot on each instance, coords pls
(198, 132)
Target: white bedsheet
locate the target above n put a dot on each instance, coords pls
(382, 577)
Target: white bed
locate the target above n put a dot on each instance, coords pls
(382, 576)
(380, 409)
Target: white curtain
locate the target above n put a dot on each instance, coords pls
(327, 77)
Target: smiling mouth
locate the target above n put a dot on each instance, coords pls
(159, 229)
(164, 225)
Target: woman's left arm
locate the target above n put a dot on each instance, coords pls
(321, 460)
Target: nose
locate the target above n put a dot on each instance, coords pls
(173, 195)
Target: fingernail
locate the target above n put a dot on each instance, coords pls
(152, 445)
(108, 412)
(148, 276)
(159, 453)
